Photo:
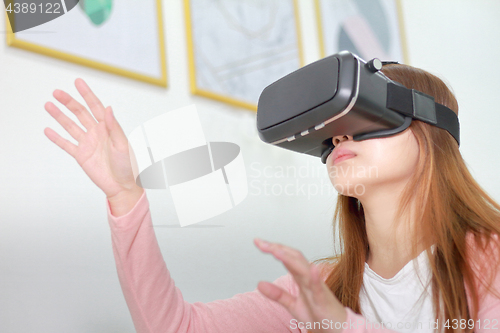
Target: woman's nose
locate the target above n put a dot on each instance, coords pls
(339, 138)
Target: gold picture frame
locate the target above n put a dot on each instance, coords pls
(226, 98)
(400, 27)
(160, 77)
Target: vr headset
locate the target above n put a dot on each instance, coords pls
(342, 95)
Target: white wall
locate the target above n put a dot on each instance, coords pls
(57, 272)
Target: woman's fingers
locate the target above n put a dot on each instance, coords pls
(316, 284)
(69, 125)
(315, 301)
(91, 99)
(78, 110)
(64, 144)
(306, 274)
(293, 260)
(276, 294)
(118, 137)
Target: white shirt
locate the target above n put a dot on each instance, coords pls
(402, 303)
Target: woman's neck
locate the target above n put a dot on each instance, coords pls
(389, 236)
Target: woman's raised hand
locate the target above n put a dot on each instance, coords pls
(315, 307)
(102, 150)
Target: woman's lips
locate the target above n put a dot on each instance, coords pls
(343, 158)
(341, 154)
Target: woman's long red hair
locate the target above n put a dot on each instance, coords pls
(452, 206)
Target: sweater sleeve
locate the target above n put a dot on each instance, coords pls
(157, 305)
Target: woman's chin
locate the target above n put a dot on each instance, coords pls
(350, 187)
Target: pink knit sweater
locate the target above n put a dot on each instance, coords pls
(156, 304)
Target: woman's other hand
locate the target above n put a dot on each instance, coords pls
(102, 150)
(315, 303)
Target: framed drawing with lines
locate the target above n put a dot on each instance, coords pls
(236, 48)
(368, 28)
(123, 37)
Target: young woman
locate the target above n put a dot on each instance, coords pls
(420, 245)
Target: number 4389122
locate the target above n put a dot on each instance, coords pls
(25, 8)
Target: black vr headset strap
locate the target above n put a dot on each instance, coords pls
(422, 107)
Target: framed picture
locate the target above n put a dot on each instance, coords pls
(368, 28)
(237, 48)
(113, 36)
